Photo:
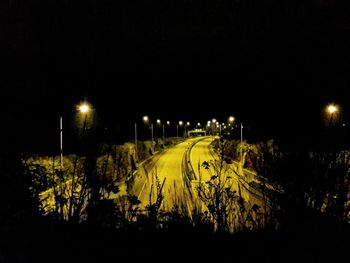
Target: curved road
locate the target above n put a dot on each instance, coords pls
(166, 166)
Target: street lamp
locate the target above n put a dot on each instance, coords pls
(208, 126)
(61, 144)
(241, 143)
(332, 109)
(187, 124)
(168, 125)
(177, 128)
(231, 119)
(145, 119)
(84, 108)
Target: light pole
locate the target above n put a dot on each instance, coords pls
(177, 127)
(159, 125)
(152, 131)
(221, 127)
(231, 119)
(187, 124)
(146, 121)
(167, 125)
(332, 109)
(214, 126)
(136, 138)
(242, 143)
(84, 108)
(61, 144)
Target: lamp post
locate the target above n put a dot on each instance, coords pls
(159, 124)
(187, 124)
(177, 127)
(61, 143)
(152, 132)
(84, 108)
(332, 109)
(231, 119)
(146, 121)
(136, 138)
(242, 143)
(167, 125)
(214, 126)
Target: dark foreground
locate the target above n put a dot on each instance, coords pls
(305, 238)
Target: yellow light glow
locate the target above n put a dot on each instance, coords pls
(180, 123)
(188, 124)
(332, 108)
(145, 118)
(84, 108)
(158, 121)
(231, 119)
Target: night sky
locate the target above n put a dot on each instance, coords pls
(272, 64)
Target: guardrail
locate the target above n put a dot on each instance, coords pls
(188, 173)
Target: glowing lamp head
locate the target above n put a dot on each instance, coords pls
(231, 119)
(145, 118)
(84, 108)
(332, 109)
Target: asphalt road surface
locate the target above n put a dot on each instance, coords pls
(168, 167)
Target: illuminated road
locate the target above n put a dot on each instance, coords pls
(168, 166)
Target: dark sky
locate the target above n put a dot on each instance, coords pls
(272, 64)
